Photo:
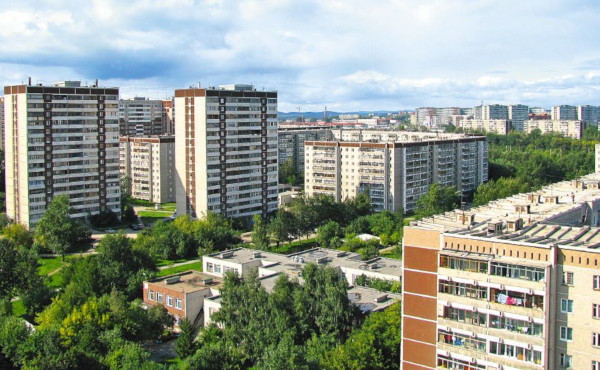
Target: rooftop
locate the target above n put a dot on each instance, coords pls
(186, 282)
(564, 213)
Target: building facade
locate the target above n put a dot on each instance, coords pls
(514, 284)
(150, 164)
(141, 117)
(573, 129)
(589, 114)
(168, 117)
(2, 123)
(291, 140)
(62, 139)
(564, 113)
(494, 112)
(496, 126)
(395, 168)
(226, 151)
(518, 114)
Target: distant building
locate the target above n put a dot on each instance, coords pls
(597, 161)
(1, 123)
(426, 116)
(564, 113)
(589, 114)
(573, 129)
(518, 114)
(394, 167)
(226, 151)
(494, 112)
(149, 161)
(168, 117)
(496, 126)
(141, 117)
(291, 140)
(61, 139)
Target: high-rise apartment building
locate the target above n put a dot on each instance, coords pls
(141, 117)
(426, 116)
(2, 123)
(168, 117)
(518, 114)
(573, 129)
(61, 139)
(444, 115)
(514, 284)
(494, 111)
(149, 161)
(226, 151)
(291, 140)
(589, 114)
(564, 113)
(394, 167)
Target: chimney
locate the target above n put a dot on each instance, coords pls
(29, 80)
(96, 82)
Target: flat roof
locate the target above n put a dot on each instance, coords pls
(560, 214)
(186, 282)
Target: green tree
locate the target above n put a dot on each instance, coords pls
(56, 230)
(329, 234)
(282, 226)
(288, 173)
(260, 233)
(185, 346)
(125, 184)
(18, 269)
(438, 199)
(18, 234)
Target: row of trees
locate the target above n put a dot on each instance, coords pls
(295, 326)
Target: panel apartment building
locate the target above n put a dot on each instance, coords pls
(394, 167)
(514, 284)
(291, 139)
(226, 151)
(149, 161)
(567, 128)
(61, 139)
(140, 116)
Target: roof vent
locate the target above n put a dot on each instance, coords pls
(515, 225)
(381, 298)
(226, 254)
(495, 227)
(322, 260)
(257, 255)
(172, 280)
(341, 254)
(207, 281)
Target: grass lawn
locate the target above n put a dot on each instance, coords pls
(173, 270)
(161, 262)
(140, 202)
(18, 308)
(286, 248)
(46, 266)
(155, 213)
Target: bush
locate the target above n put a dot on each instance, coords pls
(104, 219)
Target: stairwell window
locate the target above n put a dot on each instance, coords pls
(596, 282)
(566, 361)
(566, 334)
(566, 305)
(567, 278)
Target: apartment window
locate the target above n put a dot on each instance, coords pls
(566, 305)
(596, 339)
(567, 278)
(566, 360)
(209, 267)
(159, 297)
(596, 284)
(218, 269)
(169, 301)
(178, 303)
(596, 311)
(150, 295)
(595, 365)
(566, 334)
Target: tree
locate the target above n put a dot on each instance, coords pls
(18, 234)
(282, 226)
(18, 269)
(288, 173)
(260, 233)
(438, 199)
(329, 234)
(129, 214)
(185, 346)
(125, 184)
(56, 230)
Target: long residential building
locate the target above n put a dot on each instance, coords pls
(226, 151)
(61, 139)
(514, 284)
(518, 114)
(568, 128)
(2, 123)
(149, 161)
(141, 117)
(589, 114)
(496, 126)
(396, 168)
(564, 113)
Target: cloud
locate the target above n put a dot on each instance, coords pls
(348, 55)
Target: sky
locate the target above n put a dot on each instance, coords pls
(347, 55)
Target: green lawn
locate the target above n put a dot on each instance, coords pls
(47, 266)
(140, 202)
(173, 270)
(161, 262)
(155, 213)
(286, 248)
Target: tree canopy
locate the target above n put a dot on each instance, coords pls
(438, 199)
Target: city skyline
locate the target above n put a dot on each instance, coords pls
(347, 56)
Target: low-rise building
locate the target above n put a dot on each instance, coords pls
(496, 126)
(149, 161)
(182, 294)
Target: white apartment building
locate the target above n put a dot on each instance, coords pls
(496, 126)
(141, 117)
(568, 128)
(518, 114)
(395, 168)
(149, 161)
(226, 151)
(61, 139)
(291, 140)
(564, 113)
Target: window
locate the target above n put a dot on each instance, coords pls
(596, 311)
(566, 360)
(150, 295)
(596, 339)
(566, 334)
(595, 365)
(218, 269)
(567, 278)
(178, 303)
(566, 305)
(159, 297)
(169, 301)
(209, 267)
(596, 284)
